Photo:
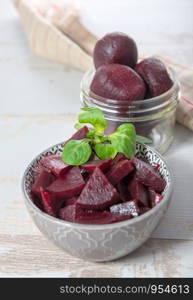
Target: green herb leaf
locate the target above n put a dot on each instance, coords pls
(76, 152)
(95, 117)
(91, 134)
(128, 128)
(123, 143)
(104, 151)
(143, 139)
(78, 126)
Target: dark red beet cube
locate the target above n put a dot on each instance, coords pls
(69, 185)
(148, 176)
(98, 192)
(97, 217)
(79, 134)
(122, 188)
(55, 164)
(104, 165)
(119, 171)
(84, 174)
(129, 208)
(118, 157)
(71, 201)
(44, 179)
(155, 198)
(138, 191)
(68, 213)
(50, 203)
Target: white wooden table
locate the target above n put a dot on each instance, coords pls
(39, 101)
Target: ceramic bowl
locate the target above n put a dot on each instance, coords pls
(99, 242)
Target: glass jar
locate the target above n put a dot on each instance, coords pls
(153, 118)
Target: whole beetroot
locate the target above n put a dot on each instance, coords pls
(118, 82)
(155, 75)
(115, 47)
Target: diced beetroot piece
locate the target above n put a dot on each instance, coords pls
(104, 165)
(122, 188)
(79, 135)
(71, 201)
(147, 175)
(97, 217)
(157, 199)
(138, 191)
(55, 164)
(98, 192)
(144, 210)
(44, 179)
(37, 201)
(68, 213)
(118, 157)
(154, 197)
(119, 171)
(37, 170)
(84, 174)
(50, 203)
(69, 185)
(129, 208)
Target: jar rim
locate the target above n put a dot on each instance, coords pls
(85, 88)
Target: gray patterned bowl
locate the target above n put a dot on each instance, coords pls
(99, 242)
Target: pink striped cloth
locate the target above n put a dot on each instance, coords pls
(185, 108)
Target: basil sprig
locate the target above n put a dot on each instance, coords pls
(93, 116)
(124, 140)
(78, 152)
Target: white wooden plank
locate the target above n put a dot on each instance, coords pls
(39, 100)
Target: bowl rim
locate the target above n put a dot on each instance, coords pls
(166, 198)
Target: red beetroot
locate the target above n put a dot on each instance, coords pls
(119, 171)
(118, 82)
(68, 213)
(148, 176)
(73, 213)
(79, 134)
(70, 185)
(157, 199)
(44, 179)
(55, 164)
(59, 195)
(98, 192)
(115, 47)
(155, 75)
(138, 191)
(122, 188)
(118, 157)
(129, 208)
(50, 203)
(97, 217)
(101, 164)
(71, 201)
(154, 197)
